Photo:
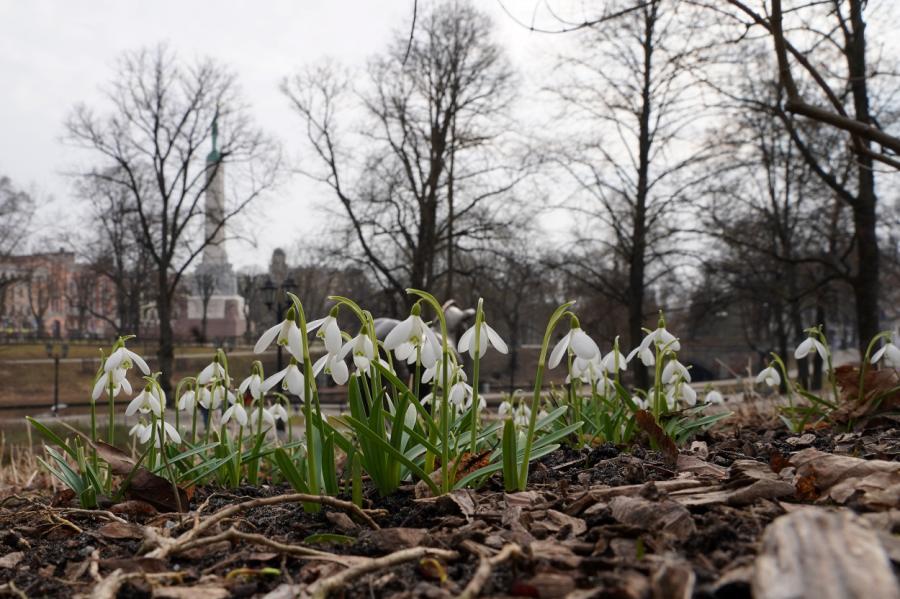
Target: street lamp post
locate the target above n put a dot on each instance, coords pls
(56, 351)
(277, 301)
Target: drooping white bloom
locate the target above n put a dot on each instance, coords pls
(674, 369)
(291, 379)
(220, 394)
(589, 371)
(363, 352)
(254, 384)
(287, 334)
(436, 373)
(171, 434)
(644, 353)
(143, 432)
(581, 344)
(662, 338)
(213, 371)
(151, 399)
(714, 398)
(138, 431)
(614, 360)
(236, 411)
(124, 358)
(681, 392)
(487, 336)
(119, 380)
(412, 334)
(328, 331)
(520, 415)
(889, 352)
(461, 395)
(808, 345)
(770, 376)
(334, 366)
(187, 401)
(279, 412)
(209, 400)
(267, 417)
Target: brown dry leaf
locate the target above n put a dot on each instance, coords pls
(777, 462)
(10, 560)
(556, 553)
(157, 491)
(470, 462)
(805, 487)
(544, 585)
(824, 554)
(648, 424)
(560, 521)
(877, 385)
(121, 530)
(135, 509)
(701, 468)
(666, 516)
(393, 539)
(148, 565)
(200, 591)
(842, 477)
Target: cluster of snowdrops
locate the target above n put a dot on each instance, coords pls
(429, 425)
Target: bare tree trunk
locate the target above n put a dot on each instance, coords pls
(166, 351)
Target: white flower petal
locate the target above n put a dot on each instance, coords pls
(266, 339)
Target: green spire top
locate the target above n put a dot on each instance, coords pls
(214, 155)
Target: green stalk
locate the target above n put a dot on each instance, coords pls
(536, 399)
(312, 461)
(111, 433)
(479, 318)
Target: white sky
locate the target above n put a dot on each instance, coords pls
(54, 54)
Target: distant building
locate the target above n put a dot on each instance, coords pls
(50, 294)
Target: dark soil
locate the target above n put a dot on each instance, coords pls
(573, 524)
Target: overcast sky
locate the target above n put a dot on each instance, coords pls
(54, 54)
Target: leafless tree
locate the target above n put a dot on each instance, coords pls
(829, 75)
(151, 144)
(43, 289)
(629, 95)
(114, 249)
(435, 144)
(16, 212)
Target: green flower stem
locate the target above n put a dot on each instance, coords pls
(445, 392)
(476, 367)
(111, 432)
(312, 462)
(536, 399)
(865, 362)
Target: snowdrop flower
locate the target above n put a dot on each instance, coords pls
(119, 382)
(236, 411)
(138, 431)
(614, 360)
(582, 346)
(644, 353)
(187, 401)
(279, 412)
(170, 432)
(213, 371)
(673, 369)
(683, 392)
(124, 358)
(334, 366)
(410, 334)
(435, 372)
(254, 384)
(589, 371)
(808, 345)
(208, 400)
(461, 395)
(662, 338)
(487, 336)
(520, 415)
(291, 379)
(286, 333)
(329, 331)
(363, 352)
(220, 394)
(640, 402)
(714, 398)
(889, 352)
(267, 417)
(770, 376)
(151, 399)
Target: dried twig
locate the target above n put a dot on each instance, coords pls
(166, 546)
(321, 588)
(486, 566)
(232, 534)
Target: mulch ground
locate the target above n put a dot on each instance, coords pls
(603, 523)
